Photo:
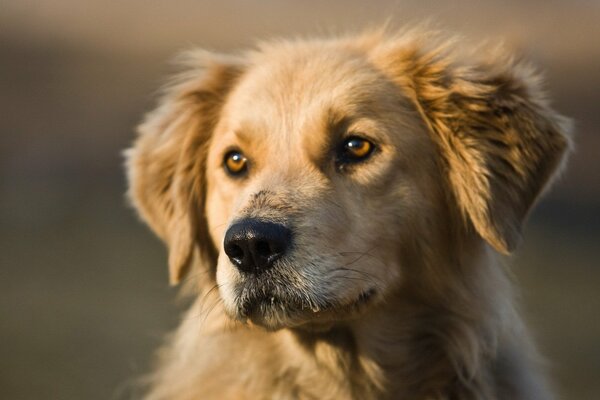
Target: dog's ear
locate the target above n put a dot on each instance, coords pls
(166, 162)
(501, 143)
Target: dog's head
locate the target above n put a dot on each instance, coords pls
(305, 176)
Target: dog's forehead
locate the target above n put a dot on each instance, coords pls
(290, 92)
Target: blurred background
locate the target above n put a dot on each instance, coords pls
(84, 298)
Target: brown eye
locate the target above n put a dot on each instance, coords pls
(235, 163)
(355, 149)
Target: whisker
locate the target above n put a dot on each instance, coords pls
(216, 303)
(366, 277)
(203, 300)
(193, 275)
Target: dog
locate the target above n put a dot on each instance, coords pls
(340, 209)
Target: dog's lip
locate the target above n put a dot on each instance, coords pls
(249, 309)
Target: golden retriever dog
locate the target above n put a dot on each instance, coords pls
(339, 208)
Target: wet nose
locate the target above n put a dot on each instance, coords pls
(253, 245)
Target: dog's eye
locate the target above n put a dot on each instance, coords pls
(355, 149)
(235, 162)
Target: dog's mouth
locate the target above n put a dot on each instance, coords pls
(280, 309)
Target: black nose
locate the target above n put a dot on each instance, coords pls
(253, 245)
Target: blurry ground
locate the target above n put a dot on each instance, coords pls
(83, 293)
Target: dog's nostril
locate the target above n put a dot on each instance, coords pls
(263, 248)
(234, 251)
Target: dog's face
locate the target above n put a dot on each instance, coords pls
(313, 156)
(304, 173)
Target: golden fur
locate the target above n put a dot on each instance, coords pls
(465, 145)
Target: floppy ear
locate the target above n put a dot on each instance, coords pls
(500, 142)
(166, 163)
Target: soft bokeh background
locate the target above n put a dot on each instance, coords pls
(84, 298)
